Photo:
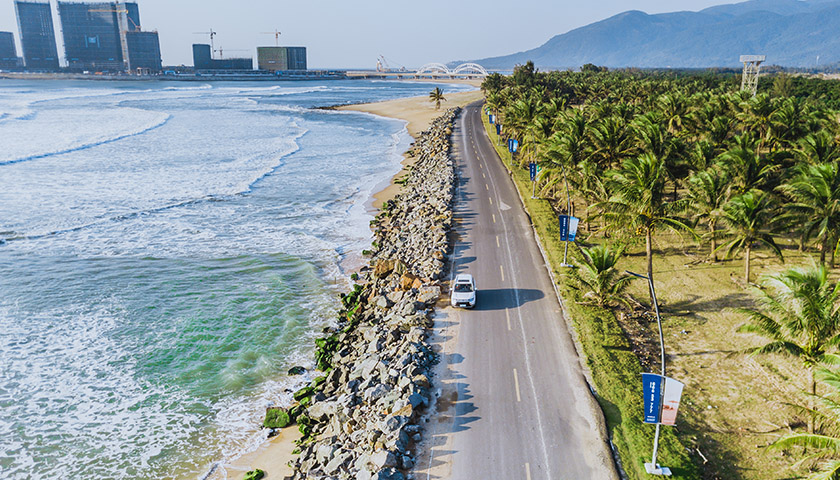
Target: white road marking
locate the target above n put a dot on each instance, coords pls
(498, 245)
(486, 187)
(483, 175)
(527, 471)
(502, 269)
(494, 218)
(516, 384)
(491, 200)
(507, 315)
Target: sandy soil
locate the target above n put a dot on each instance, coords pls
(419, 113)
(272, 457)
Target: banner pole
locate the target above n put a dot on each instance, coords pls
(569, 213)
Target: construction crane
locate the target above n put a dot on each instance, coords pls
(212, 35)
(122, 22)
(276, 34)
(383, 66)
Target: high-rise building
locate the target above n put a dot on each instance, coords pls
(107, 36)
(8, 51)
(91, 34)
(202, 56)
(144, 51)
(281, 58)
(37, 36)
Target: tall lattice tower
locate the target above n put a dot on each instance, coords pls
(749, 79)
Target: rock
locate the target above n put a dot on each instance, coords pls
(360, 417)
(276, 417)
(297, 370)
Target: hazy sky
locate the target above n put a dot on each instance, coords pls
(351, 34)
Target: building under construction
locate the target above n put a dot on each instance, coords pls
(281, 58)
(8, 52)
(203, 60)
(106, 36)
(37, 37)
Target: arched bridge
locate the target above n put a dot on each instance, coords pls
(429, 70)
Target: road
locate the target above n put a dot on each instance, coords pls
(515, 403)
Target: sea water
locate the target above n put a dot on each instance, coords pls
(167, 251)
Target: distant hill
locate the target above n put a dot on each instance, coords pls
(791, 33)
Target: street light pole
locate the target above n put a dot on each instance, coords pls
(569, 213)
(652, 467)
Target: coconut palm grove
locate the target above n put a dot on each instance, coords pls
(731, 202)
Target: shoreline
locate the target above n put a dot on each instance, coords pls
(418, 113)
(275, 454)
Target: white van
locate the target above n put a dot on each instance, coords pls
(462, 293)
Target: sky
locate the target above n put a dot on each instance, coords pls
(346, 35)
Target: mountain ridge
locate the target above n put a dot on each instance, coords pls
(792, 33)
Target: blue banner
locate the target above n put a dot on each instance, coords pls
(492, 118)
(652, 388)
(532, 168)
(514, 145)
(498, 129)
(568, 228)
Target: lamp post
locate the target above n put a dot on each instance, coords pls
(568, 212)
(652, 467)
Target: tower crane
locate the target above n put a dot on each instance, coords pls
(212, 35)
(276, 34)
(122, 22)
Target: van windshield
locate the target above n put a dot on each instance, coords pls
(463, 287)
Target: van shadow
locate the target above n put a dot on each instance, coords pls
(505, 298)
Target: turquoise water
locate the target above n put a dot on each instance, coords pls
(167, 252)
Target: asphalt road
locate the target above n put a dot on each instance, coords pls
(520, 407)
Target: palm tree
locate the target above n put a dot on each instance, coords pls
(611, 140)
(756, 115)
(825, 445)
(598, 275)
(815, 191)
(638, 201)
(819, 147)
(747, 167)
(749, 217)
(800, 317)
(436, 96)
(707, 193)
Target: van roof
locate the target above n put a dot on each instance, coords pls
(463, 277)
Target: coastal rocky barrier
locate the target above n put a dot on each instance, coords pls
(361, 419)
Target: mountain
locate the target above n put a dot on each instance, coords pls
(792, 33)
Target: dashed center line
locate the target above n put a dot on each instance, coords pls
(516, 384)
(494, 218)
(527, 471)
(491, 200)
(502, 269)
(486, 187)
(507, 316)
(498, 245)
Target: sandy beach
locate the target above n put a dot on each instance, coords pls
(419, 113)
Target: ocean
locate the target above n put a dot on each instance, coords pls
(168, 251)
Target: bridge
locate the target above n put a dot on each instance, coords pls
(430, 70)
